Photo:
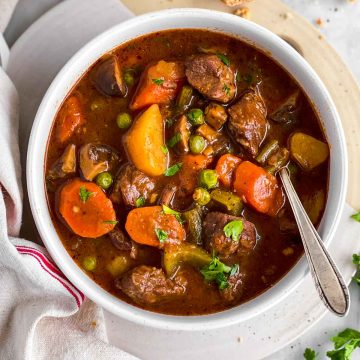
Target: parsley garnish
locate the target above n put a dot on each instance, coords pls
(345, 343)
(226, 90)
(234, 229)
(169, 122)
(174, 140)
(172, 170)
(158, 81)
(223, 58)
(356, 216)
(356, 261)
(309, 354)
(140, 201)
(219, 272)
(169, 211)
(113, 222)
(161, 235)
(85, 194)
(164, 149)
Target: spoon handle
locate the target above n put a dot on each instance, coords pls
(328, 280)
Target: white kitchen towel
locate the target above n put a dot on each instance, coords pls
(42, 315)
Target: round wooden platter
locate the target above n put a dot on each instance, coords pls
(339, 80)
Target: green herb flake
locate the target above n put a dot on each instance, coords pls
(112, 222)
(164, 149)
(344, 343)
(158, 81)
(85, 194)
(356, 216)
(223, 58)
(173, 170)
(356, 261)
(169, 122)
(309, 354)
(234, 229)
(169, 211)
(174, 140)
(226, 90)
(161, 235)
(140, 201)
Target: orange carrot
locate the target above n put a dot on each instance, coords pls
(225, 168)
(86, 209)
(70, 117)
(257, 186)
(159, 84)
(151, 226)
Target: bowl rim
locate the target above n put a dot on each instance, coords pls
(35, 169)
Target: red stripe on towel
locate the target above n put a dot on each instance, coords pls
(39, 256)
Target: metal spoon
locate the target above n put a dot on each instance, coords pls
(328, 281)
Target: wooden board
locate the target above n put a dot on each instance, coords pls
(339, 80)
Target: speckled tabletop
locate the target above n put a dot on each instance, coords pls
(341, 27)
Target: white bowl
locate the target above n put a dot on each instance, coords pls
(247, 31)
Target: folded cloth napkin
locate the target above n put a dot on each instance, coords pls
(42, 315)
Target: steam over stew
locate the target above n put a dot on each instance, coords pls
(162, 169)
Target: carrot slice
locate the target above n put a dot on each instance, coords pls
(70, 118)
(225, 168)
(151, 226)
(258, 187)
(159, 84)
(86, 209)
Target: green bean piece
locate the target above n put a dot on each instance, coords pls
(201, 196)
(278, 160)
(184, 98)
(197, 144)
(89, 263)
(208, 179)
(123, 120)
(193, 220)
(98, 104)
(229, 201)
(267, 151)
(129, 77)
(196, 117)
(104, 180)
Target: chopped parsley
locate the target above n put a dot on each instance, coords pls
(164, 149)
(226, 90)
(85, 194)
(169, 122)
(173, 170)
(112, 222)
(158, 81)
(223, 58)
(234, 229)
(356, 216)
(309, 354)
(161, 235)
(344, 343)
(218, 272)
(140, 201)
(356, 261)
(174, 140)
(169, 211)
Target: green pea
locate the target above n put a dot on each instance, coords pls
(197, 144)
(208, 179)
(129, 78)
(196, 116)
(98, 104)
(89, 263)
(104, 180)
(201, 196)
(123, 120)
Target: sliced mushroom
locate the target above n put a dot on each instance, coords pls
(182, 127)
(167, 195)
(97, 158)
(65, 165)
(287, 111)
(108, 78)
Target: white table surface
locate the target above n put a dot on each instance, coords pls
(342, 30)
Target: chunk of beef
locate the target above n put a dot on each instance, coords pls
(248, 124)
(217, 241)
(131, 184)
(149, 285)
(120, 240)
(211, 77)
(234, 291)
